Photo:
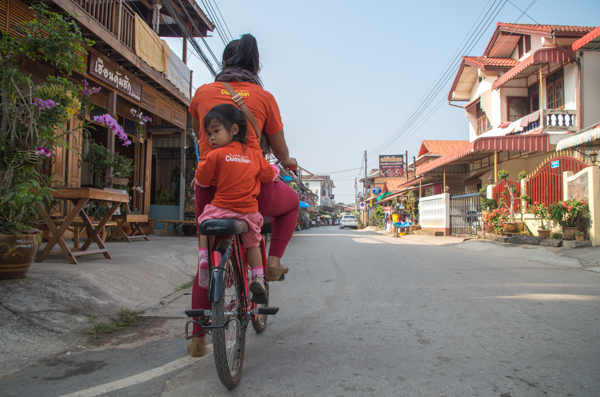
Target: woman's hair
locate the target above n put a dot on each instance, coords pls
(242, 53)
(228, 115)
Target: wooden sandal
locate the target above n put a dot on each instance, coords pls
(276, 273)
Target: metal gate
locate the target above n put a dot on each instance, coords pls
(465, 214)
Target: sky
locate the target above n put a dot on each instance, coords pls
(349, 75)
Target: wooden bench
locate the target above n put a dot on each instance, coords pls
(77, 227)
(135, 221)
(175, 223)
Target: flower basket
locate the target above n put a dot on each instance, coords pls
(569, 232)
(545, 233)
(16, 254)
(513, 227)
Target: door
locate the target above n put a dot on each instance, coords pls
(465, 214)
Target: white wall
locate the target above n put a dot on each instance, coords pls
(591, 88)
(571, 76)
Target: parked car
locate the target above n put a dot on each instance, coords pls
(349, 221)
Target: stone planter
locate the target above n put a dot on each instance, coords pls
(513, 227)
(569, 232)
(545, 233)
(17, 254)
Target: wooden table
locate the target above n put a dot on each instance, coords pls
(80, 197)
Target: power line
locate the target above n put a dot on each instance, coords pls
(523, 12)
(473, 39)
(223, 19)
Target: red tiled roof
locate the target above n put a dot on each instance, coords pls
(484, 62)
(529, 28)
(545, 28)
(394, 183)
(439, 148)
(520, 143)
(586, 39)
(544, 55)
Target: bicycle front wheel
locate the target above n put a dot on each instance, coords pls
(229, 341)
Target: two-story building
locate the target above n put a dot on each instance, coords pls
(524, 94)
(136, 70)
(322, 186)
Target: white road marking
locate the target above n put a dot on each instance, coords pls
(143, 377)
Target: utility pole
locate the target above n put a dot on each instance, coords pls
(365, 194)
(355, 195)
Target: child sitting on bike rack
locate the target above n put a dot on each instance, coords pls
(238, 174)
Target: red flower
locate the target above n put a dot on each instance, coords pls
(583, 202)
(570, 207)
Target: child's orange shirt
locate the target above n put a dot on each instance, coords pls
(238, 173)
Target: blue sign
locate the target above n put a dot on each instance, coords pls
(362, 205)
(377, 190)
(554, 164)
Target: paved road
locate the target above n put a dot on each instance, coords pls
(367, 314)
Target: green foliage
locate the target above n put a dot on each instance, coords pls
(18, 209)
(100, 159)
(164, 198)
(379, 213)
(503, 174)
(579, 233)
(526, 198)
(522, 175)
(557, 236)
(569, 213)
(540, 211)
(31, 113)
(123, 166)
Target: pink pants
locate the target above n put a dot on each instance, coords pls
(277, 201)
(255, 221)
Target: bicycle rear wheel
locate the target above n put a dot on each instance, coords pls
(229, 342)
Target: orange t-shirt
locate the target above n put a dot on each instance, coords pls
(262, 104)
(238, 172)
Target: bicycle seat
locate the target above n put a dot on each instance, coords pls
(220, 227)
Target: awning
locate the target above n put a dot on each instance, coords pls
(589, 137)
(520, 143)
(383, 195)
(540, 56)
(590, 41)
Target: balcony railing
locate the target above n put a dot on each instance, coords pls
(549, 120)
(115, 16)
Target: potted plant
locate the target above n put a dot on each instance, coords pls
(497, 219)
(579, 236)
(540, 211)
(568, 214)
(122, 169)
(412, 207)
(30, 117)
(511, 227)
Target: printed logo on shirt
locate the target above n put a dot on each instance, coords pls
(237, 158)
(243, 93)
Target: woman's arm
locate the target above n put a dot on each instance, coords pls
(280, 150)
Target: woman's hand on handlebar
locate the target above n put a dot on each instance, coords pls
(290, 164)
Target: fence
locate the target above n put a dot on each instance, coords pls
(115, 16)
(545, 185)
(503, 186)
(434, 212)
(465, 214)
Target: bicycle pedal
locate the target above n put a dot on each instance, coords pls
(266, 310)
(198, 313)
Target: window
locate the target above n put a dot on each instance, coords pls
(555, 92)
(533, 94)
(517, 108)
(483, 124)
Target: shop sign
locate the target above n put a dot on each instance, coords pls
(391, 165)
(117, 78)
(377, 190)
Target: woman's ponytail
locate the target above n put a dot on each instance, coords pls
(247, 54)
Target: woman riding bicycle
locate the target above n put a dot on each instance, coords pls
(276, 199)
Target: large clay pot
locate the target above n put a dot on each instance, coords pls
(513, 227)
(579, 237)
(545, 233)
(415, 227)
(17, 254)
(569, 232)
(485, 213)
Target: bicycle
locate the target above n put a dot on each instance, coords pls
(232, 307)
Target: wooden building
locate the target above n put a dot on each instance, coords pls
(136, 70)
